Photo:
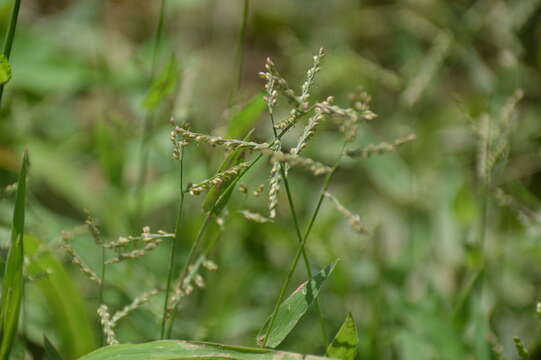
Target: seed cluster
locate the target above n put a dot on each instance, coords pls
(184, 285)
(218, 179)
(108, 322)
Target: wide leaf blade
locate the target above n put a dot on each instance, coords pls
(294, 307)
(346, 342)
(186, 350)
(12, 286)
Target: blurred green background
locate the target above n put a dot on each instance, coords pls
(81, 71)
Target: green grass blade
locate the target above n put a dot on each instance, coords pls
(293, 308)
(164, 85)
(13, 286)
(346, 342)
(67, 309)
(10, 35)
(244, 120)
(50, 351)
(184, 350)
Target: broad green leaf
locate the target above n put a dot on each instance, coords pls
(186, 350)
(164, 85)
(66, 306)
(346, 342)
(5, 69)
(233, 159)
(244, 120)
(50, 351)
(293, 308)
(12, 283)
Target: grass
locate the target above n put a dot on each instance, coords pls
(438, 240)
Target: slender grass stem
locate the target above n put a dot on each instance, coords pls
(299, 237)
(303, 250)
(158, 38)
(10, 35)
(191, 255)
(173, 250)
(300, 250)
(239, 58)
(206, 222)
(147, 124)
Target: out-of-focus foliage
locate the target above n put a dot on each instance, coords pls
(81, 71)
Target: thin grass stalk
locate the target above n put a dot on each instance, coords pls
(300, 250)
(239, 58)
(300, 239)
(212, 211)
(10, 35)
(191, 255)
(172, 255)
(147, 124)
(481, 323)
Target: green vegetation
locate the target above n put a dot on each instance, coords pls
(259, 180)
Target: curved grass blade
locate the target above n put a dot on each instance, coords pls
(50, 351)
(346, 342)
(66, 306)
(12, 283)
(187, 350)
(293, 308)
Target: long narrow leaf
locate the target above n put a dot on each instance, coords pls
(294, 307)
(184, 350)
(66, 306)
(346, 342)
(12, 286)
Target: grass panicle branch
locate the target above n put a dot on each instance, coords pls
(76, 259)
(354, 220)
(381, 148)
(217, 179)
